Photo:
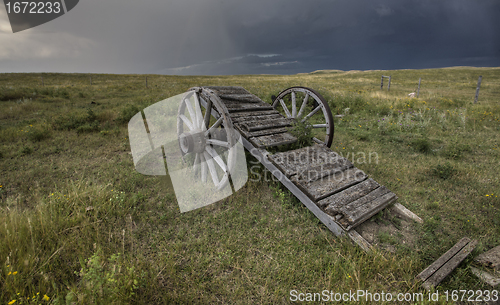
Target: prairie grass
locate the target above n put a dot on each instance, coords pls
(79, 225)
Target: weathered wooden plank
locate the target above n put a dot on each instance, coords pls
(486, 277)
(267, 117)
(449, 266)
(323, 163)
(238, 107)
(332, 203)
(398, 208)
(490, 258)
(331, 184)
(319, 171)
(360, 203)
(273, 140)
(289, 160)
(264, 132)
(268, 124)
(429, 271)
(238, 115)
(247, 98)
(357, 238)
(326, 219)
(299, 160)
(354, 217)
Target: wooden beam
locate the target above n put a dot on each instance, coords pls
(418, 90)
(444, 265)
(490, 258)
(486, 277)
(401, 210)
(477, 88)
(358, 239)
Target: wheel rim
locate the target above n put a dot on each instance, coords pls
(307, 106)
(206, 136)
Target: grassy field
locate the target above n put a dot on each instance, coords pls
(79, 225)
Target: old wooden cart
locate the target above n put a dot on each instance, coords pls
(329, 185)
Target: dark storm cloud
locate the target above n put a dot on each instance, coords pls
(260, 36)
(369, 34)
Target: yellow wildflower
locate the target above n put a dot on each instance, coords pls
(14, 273)
(11, 302)
(45, 297)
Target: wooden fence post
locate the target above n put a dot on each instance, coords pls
(477, 89)
(381, 82)
(389, 86)
(418, 90)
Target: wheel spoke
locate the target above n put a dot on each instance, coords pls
(303, 106)
(187, 122)
(287, 112)
(203, 163)
(223, 181)
(196, 163)
(211, 168)
(217, 158)
(189, 107)
(311, 114)
(197, 108)
(214, 126)
(318, 141)
(208, 113)
(218, 143)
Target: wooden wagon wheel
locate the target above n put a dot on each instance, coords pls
(304, 105)
(205, 135)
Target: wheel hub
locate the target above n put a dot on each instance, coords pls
(192, 142)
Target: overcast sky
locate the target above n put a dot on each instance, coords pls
(212, 37)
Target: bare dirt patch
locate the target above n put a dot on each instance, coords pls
(389, 230)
